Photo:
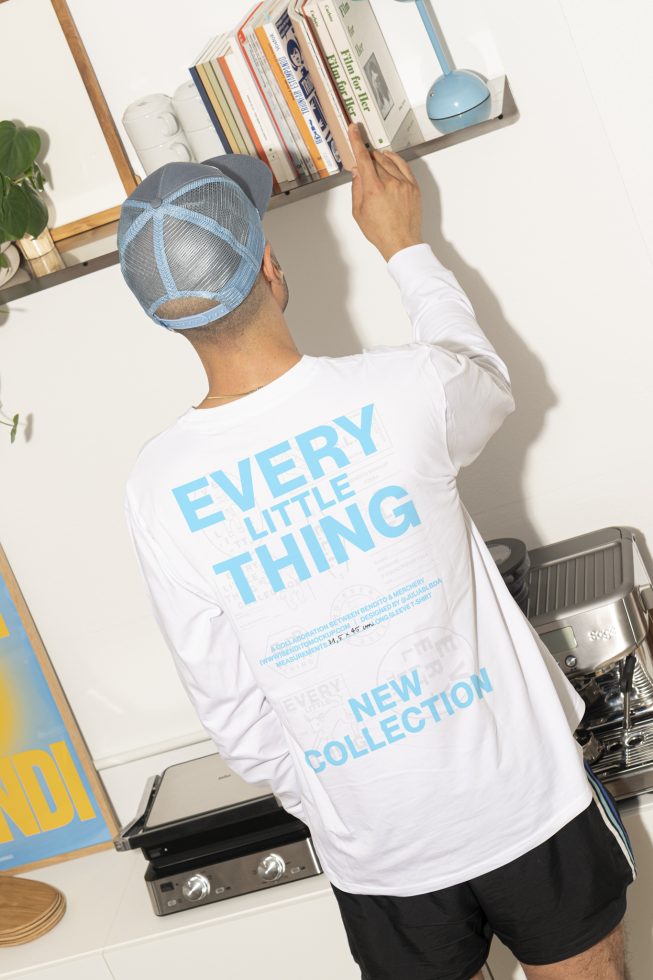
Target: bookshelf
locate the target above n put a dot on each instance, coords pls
(94, 250)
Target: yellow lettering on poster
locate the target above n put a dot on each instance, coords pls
(4, 629)
(25, 764)
(72, 780)
(14, 804)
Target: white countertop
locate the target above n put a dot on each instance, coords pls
(108, 905)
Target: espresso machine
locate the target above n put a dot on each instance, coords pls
(590, 599)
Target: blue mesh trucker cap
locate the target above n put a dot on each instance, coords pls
(194, 229)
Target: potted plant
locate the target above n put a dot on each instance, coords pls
(23, 213)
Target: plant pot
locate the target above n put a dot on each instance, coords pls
(34, 248)
(13, 258)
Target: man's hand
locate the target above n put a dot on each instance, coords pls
(386, 200)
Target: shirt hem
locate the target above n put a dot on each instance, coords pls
(548, 830)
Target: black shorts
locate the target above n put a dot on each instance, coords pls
(554, 902)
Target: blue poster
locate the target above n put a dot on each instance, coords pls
(48, 807)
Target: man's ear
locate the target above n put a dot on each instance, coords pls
(270, 267)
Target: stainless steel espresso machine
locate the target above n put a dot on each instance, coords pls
(589, 599)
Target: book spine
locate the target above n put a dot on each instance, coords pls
(208, 105)
(242, 108)
(293, 65)
(214, 81)
(254, 109)
(267, 87)
(233, 107)
(324, 85)
(356, 78)
(217, 108)
(334, 65)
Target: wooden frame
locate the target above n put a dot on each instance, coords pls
(42, 746)
(105, 119)
(107, 125)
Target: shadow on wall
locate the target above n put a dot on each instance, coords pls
(492, 488)
(318, 327)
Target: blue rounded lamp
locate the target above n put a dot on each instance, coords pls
(458, 98)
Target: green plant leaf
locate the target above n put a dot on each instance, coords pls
(22, 212)
(18, 148)
(14, 427)
(4, 264)
(35, 177)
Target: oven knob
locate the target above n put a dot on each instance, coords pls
(271, 868)
(196, 888)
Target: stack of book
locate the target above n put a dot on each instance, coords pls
(287, 81)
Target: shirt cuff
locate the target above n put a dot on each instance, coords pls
(412, 264)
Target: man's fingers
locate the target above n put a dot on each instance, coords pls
(364, 163)
(401, 164)
(356, 191)
(385, 163)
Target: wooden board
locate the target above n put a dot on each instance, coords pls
(28, 909)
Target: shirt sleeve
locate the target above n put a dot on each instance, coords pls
(216, 675)
(470, 378)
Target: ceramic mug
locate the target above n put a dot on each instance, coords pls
(174, 150)
(149, 121)
(205, 143)
(189, 108)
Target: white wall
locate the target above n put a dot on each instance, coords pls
(548, 225)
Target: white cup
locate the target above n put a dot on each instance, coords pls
(149, 121)
(205, 143)
(189, 108)
(174, 150)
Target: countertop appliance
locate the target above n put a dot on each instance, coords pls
(208, 835)
(589, 599)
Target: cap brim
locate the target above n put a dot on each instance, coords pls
(252, 175)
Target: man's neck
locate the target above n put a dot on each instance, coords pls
(237, 365)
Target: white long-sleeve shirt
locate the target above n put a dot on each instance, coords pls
(336, 618)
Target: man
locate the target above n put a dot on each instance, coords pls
(332, 610)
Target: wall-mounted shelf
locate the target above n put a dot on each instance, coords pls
(95, 250)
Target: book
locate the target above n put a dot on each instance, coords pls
(370, 51)
(359, 47)
(254, 112)
(256, 63)
(311, 10)
(325, 89)
(286, 60)
(387, 94)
